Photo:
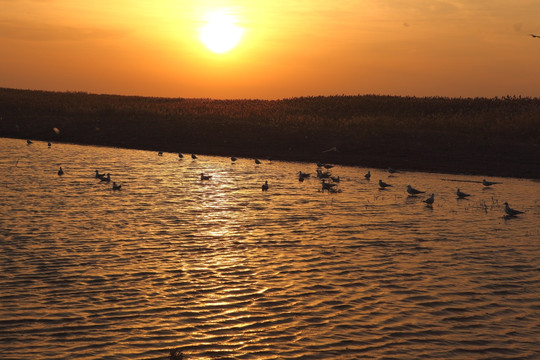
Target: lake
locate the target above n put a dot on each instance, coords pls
(222, 270)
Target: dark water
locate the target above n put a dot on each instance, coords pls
(223, 270)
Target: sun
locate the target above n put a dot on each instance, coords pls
(221, 34)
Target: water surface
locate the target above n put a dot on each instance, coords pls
(223, 270)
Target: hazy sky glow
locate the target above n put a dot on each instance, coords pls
(290, 48)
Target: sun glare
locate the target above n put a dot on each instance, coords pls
(221, 34)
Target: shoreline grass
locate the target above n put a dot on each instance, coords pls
(477, 136)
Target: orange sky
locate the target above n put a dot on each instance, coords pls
(290, 48)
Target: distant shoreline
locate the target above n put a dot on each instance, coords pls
(484, 137)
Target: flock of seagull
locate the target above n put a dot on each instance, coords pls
(328, 182)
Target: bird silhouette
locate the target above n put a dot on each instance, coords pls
(60, 171)
(489, 183)
(383, 185)
(116, 187)
(412, 191)
(193, 156)
(511, 212)
(265, 186)
(535, 36)
(205, 177)
(257, 161)
(462, 195)
(368, 175)
(429, 201)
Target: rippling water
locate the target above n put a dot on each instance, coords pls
(222, 270)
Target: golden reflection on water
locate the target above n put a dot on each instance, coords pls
(221, 269)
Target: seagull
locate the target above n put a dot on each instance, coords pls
(29, 142)
(461, 195)
(303, 175)
(106, 178)
(412, 191)
(322, 175)
(383, 185)
(535, 36)
(368, 175)
(193, 156)
(327, 186)
(489, 183)
(205, 177)
(511, 212)
(116, 187)
(257, 161)
(180, 156)
(429, 201)
(233, 159)
(160, 153)
(265, 186)
(99, 176)
(60, 172)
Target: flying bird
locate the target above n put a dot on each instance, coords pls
(535, 36)
(511, 212)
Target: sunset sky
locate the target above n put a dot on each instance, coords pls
(456, 48)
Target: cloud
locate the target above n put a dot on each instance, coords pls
(22, 30)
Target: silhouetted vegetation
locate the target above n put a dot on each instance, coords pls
(499, 136)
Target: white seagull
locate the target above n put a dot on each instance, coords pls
(511, 212)
(413, 191)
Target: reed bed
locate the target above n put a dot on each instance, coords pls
(490, 136)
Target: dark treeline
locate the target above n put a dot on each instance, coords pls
(499, 136)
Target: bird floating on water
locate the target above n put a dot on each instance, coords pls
(511, 212)
(429, 201)
(368, 175)
(49, 144)
(412, 191)
(160, 153)
(489, 183)
(28, 141)
(205, 177)
(116, 187)
(335, 178)
(106, 178)
(302, 176)
(99, 176)
(322, 175)
(265, 186)
(383, 185)
(257, 161)
(392, 171)
(233, 159)
(180, 156)
(60, 171)
(462, 195)
(193, 156)
(327, 186)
